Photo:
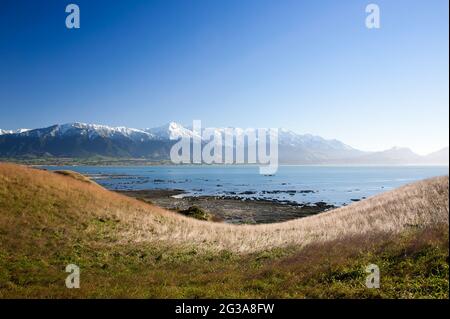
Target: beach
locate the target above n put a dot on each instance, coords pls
(231, 209)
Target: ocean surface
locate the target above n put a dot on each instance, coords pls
(335, 185)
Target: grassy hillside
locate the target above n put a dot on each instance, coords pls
(128, 248)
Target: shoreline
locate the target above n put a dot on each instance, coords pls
(230, 209)
(143, 162)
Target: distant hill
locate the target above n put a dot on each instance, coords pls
(395, 155)
(79, 140)
(439, 157)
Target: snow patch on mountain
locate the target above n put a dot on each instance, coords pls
(293, 139)
(18, 131)
(171, 131)
(91, 131)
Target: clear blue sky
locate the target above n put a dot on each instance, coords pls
(310, 66)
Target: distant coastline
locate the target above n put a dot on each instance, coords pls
(105, 161)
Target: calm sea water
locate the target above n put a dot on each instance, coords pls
(336, 185)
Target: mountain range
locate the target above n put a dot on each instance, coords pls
(79, 140)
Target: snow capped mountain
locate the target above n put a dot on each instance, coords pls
(94, 129)
(170, 131)
(90, 131)
(293, 139)
(174, 131)
(84, 140)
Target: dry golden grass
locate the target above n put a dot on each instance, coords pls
(74, 175)
(41, 200)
